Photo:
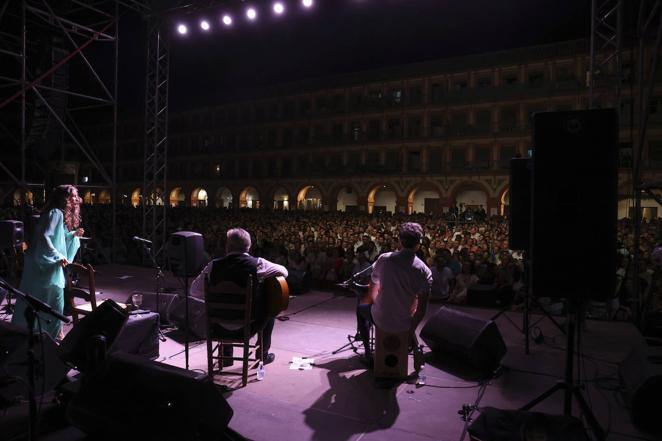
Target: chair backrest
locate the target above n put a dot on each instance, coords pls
(229, 305)
(86, 292)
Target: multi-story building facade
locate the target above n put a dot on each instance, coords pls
(413, 138)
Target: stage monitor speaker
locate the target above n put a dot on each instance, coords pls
(641, 376)
(470, 339)
(167, 302)
(197, 318)
(134, 398)
(14, 368)
(11, 234)
(513, 425)
(107, 320)
(186, 253)
(574, 198)
(519, 207)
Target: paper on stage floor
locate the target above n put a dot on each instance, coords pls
(302, 363)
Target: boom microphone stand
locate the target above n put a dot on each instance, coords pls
(33, 307)
(356, 288)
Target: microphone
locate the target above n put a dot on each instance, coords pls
(141, 240)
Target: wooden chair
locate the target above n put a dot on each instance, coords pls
(229, 323)
(74, 290)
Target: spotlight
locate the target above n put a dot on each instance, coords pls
(227, 20)
(182, 29)
(204, 24)
(307, 3)
(251, 13)
(279, 8)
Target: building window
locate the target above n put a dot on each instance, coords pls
(508, 119)
(437, 125)
(339, 102)
(392, 161)
(510, 78)
(482, 157)
(372, 160)
(414, 127)
(356, 131)
(337, 132)
(304, 106)
(484, 82)
(435, 158)
(321, 104)
(414, 162)
(415, 95)
(396, 96)
(458, 158)
(460, 84)
(483, 121)
(536, 78)
(655, 153)
(373, 130)
(506, 153)
(437, 92)
(394, 128)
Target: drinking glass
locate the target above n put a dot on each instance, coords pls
(137, 300)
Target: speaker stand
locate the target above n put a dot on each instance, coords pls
(528, 299)
(158, 282)
(570, 388)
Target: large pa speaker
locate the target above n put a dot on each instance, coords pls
(134, 398)
(470, 339)
(641, 376)
(513, 425)
(519, 207)
(106, 321)
(186, 253)
(574, 195)
(11, 234)
(14, 367)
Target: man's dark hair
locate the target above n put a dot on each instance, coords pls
(410, 234)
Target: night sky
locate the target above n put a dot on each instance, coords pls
(336, 36)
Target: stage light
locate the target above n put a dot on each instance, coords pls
(227, 20)
(251, 13)
(182, 29)
(204, 24)
(279, 8)
(307, 3)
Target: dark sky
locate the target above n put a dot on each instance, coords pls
(337, 36)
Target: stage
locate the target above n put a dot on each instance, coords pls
(339, 400)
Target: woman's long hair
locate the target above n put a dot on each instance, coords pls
(61, 197)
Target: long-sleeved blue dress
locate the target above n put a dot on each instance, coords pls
(43, 276)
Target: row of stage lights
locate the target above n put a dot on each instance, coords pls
(251, 13)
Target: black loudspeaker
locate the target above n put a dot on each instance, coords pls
(167, 302)
(11, 233)
(107, 321)
(134, 398)
(14, 368)
(641, 376)
(512, 425)
(574, 195)
(473, 340)
(519, 208)
(186, 253)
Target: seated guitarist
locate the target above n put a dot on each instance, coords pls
(235, 267)
(399, 292)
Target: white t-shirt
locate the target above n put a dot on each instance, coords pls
(402, 277)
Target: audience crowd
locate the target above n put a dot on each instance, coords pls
(465, 251)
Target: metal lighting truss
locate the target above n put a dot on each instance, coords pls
(156, 140)
(35, 92)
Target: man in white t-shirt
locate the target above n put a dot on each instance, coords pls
(400, 288)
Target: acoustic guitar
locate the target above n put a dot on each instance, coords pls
(277, 295)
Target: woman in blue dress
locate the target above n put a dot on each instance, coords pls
(54, 244)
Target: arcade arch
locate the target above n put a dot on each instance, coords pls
(177, 197)
(249, 198)
(281, 199)
(347, 199)
(104, 197)
(88, 197)
(504, 202)
(199, 198)
(424, 198)
(309, 198)
(28, 197)
(382, 199)
(223, 198)
(136, 197)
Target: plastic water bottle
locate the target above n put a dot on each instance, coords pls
(260, 371)
(420, 379)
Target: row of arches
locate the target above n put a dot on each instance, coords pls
(380, 198)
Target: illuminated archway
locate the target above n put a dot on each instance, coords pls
(424, 198)
(199, 198)
(177, 197)
(382, 199)
(88, 197)
(223, 198)
(504, 202)
(249, 198)
(156, 198)
(347, 199)
(281, 199)
(471, 196)
(136, 197)
(28, 197)
(309, 198)
(104, 197)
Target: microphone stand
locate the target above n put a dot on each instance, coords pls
(34, 305)
(159, 282)
(354, 287)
